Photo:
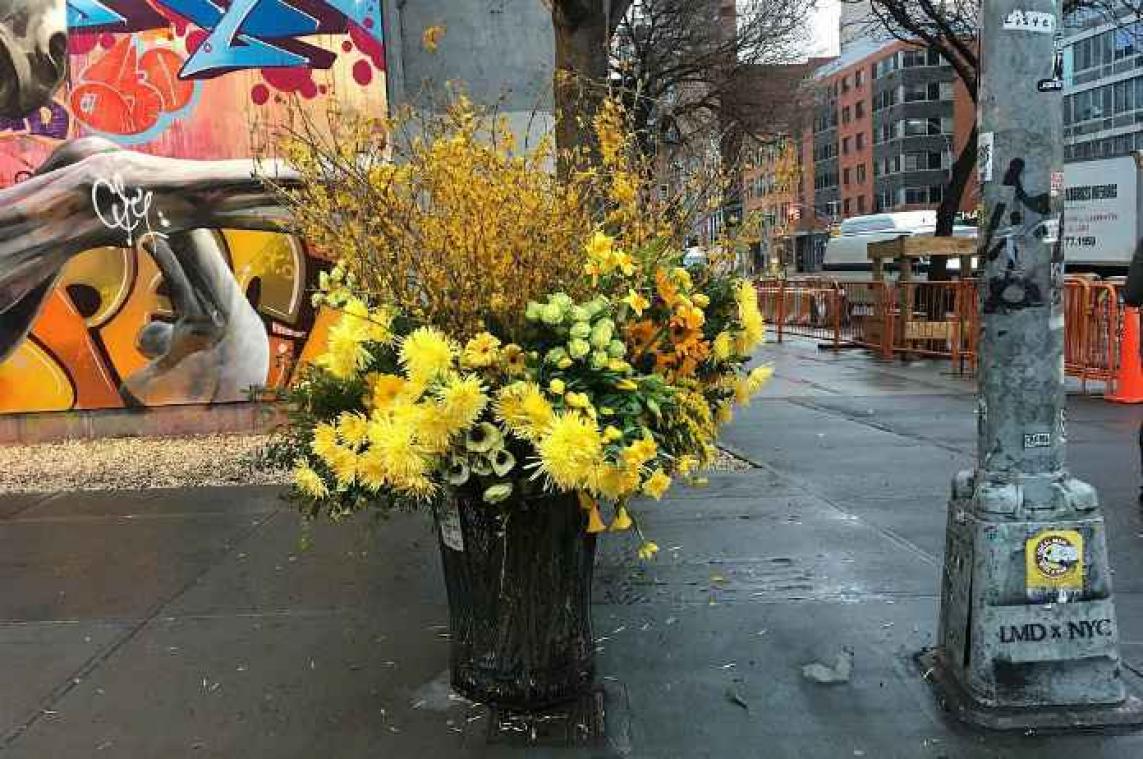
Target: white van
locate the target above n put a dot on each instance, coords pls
(847, 251)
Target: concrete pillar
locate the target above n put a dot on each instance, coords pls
(1028, 632)
(503, 53)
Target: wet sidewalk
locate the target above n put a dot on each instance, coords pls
(191, 623)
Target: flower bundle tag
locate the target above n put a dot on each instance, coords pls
(449, 518)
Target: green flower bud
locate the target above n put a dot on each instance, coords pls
(553, 314)
(601, 334)
(555, 355)
(563, 300)
(599, 359)
(579, 348)
(579, 314)
(534, 311)
(580, 330)
(616, 349)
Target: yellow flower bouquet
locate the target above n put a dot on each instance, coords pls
(511, 346)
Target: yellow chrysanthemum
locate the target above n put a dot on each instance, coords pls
(434, 428)
(569, 450)
(384, 390)
(371, 469)
(758, 378)
(481, 351)
(352, 428)
(463, 400)
(325, 441)
(343, 462)
(657, 484)
(309, 482)
(426, 353)
(753, 325)
(345, 351)
(722, 346)
(523, 409)
(393, 443)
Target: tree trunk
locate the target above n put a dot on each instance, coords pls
(946, 213)
(583, 30)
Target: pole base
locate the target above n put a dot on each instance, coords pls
(954, 699)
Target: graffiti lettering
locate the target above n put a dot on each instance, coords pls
(119, 208)
(245, 34)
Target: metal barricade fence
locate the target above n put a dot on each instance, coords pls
(1092, 330)
(936, 319)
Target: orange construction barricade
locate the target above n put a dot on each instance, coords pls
(1129, 376)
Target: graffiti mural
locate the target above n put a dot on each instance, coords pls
(141, 262)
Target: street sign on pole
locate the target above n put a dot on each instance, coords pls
(1028, 632)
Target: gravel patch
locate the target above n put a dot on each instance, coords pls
(728, 462)
(133, 463)
(141, 463)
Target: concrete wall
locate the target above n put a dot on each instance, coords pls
(502, 52)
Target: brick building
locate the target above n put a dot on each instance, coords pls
(889, 120)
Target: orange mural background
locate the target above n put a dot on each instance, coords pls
(126, 87)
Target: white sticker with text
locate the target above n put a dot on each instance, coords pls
(1030, 21)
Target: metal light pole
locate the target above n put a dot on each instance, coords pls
(1028, 633)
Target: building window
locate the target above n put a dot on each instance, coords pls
(922, 161)
(859, 109)
(915, 93)
(861, 204)
(859, 140)
(859, 78)
(845, 206)
(846, 116)
(920, 127)
(861, 173)
(914, 196)
(915, 58)
(845, 146)
(845, 177)
(845, 84)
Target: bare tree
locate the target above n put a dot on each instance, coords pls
(685, 67)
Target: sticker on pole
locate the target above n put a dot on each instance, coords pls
(1056, 188)
(449, 517)
(984, 155)
(1054, 565)
(1030, 21)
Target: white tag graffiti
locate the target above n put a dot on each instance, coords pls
(120, 208)
(1030, 21)
(984, 156)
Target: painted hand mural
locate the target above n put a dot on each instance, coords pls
(127, 277)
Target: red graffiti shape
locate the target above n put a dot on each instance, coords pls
(368, 44)
(125, 93)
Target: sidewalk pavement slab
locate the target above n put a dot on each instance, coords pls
(195, 622)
